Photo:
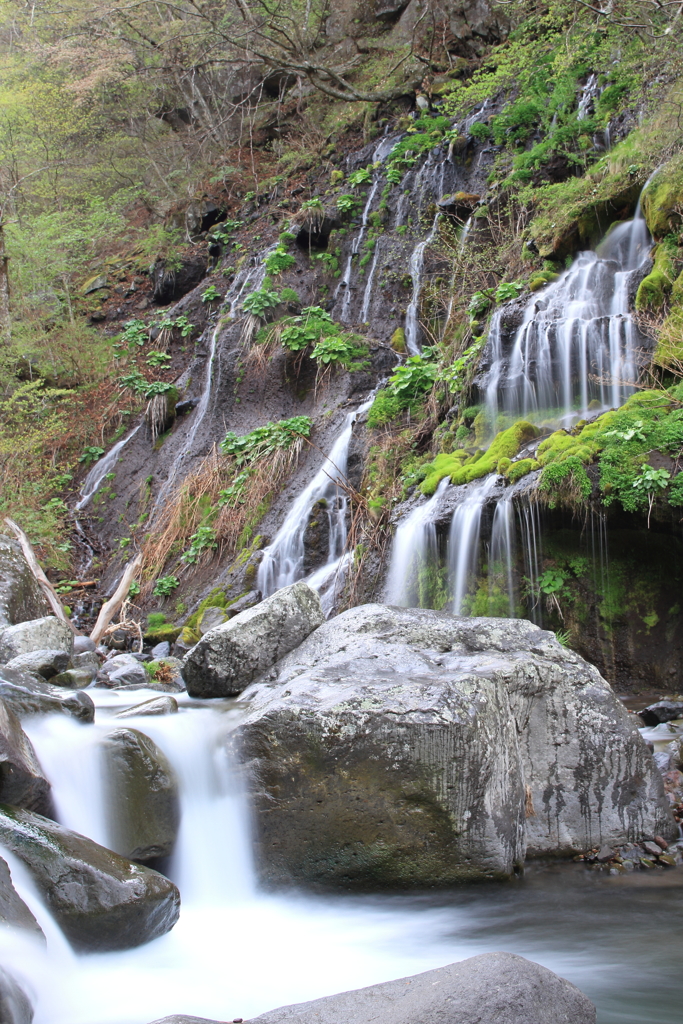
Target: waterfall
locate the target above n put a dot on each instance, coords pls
(367, 294)
(530, 531)
(589, 92)
(463, 539)
(283, 559)
(412, 322)
(501, 554)
(413, 550)
(577, 345)
(102, 467)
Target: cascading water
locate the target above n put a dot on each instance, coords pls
(417, 259)
(501, 557)
(463, 539)
(577, 345)
(101, 468)
(413, 548)
(283, 559)
(530, 531)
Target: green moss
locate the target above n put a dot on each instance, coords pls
(215, 599)
(663, 197)
(398, 340)
(520, 469)
(654, 289)
(158, 634)
(462, 468)
(189, 636)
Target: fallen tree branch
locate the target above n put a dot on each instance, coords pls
(110, 607)
(43, 581)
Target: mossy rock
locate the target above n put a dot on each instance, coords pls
(462, 468)
(215, 599)
(654, 289)
(398, 340)
(167, 631)
(521, 469)
(189, 637)
(541, 279)
(663, 197)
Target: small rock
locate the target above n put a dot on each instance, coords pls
(123, 670)
(45, 663)
(662, 758)
(84, 645)
(73, 679)
(652, 848)
(87, 662)
(666, 858)
(161, 650)
(646, 862)
(661, 843)
(166, 705)
(212, 617)
(606, 853)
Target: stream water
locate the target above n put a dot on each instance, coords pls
(237, 951)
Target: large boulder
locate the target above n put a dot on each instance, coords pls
(407, 747)
(21, 778)
(13, 910)
(28, 694)
(494, 987)
(15, 1006)
(100, 900)
(48, 633)
(46, 663)
(143, 796)
(229, 657)
(20, 596)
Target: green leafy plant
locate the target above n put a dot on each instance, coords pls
(405, 388)
(278, 261)
(312, 206)
(259, 302)
(346, 204)
(248, 449)
(312, 324)
(455, 375)
(330, 261)
(135, 332)
(340, 350)
(133, 590)
(158, 359)
(211, 294)
(165, 586)
(507, 290)
(90, 454)
(363, 176)
(650, 482)
(222, 232)
(203, 539)
(480, 303)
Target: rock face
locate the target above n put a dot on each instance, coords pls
(28, 694)
(143, 796)
(495, 987)
(13, 910)
(15, 1006)
(20, 596)
(22, 782)
(229, 657)
(406, 747)
(48, 633)
(100, 900)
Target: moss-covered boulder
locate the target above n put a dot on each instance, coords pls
(656, 286)
(663, 197)
(462, 467)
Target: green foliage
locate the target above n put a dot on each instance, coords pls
(312, 206)
(165, 586)
(480, 303)
(507, 290)
(211, 294)
(91, 454)
(278, 261)
(330, 261)
(203, 539)
(309, 327)
(405, 388)
(552, 581)
(289, 295)
(158, 359)
(427, 132)
(155, 619)
(259, 302)
(262, 442)
(456, 376)
(135, 332)
(363, 176)
(341, 350)
(520, 469)
(346, 204)
(133, 590)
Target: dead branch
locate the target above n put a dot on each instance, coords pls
(110, 607)
(41, 578)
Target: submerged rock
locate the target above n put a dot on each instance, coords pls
(157, 706)
(100, 900)
(15, 1006)
(13, 910)
(404, 747)
(22, 782)
(494, 988)
(143, 796)
(28, 694)
(48, 633)
(20, 595)
(229, 657)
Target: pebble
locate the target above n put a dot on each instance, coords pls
(662, 843)
(606, 853)
(652, 848)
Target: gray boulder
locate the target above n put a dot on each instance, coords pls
(28, 694)
(244, 602)
(22, 782)
(211, 618)
(406, 747)
(88, 662)
(161, 650)
(166, 705)
(494, 988)
(123, 670)
(100, 900)
(20, 596)
(13, 910)
(48, 633)
(15, 1006)
(46, 663)
(143, 796)
(73, 679)
(229, 657)
(84, 645)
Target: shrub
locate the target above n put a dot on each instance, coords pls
(278, 261)
(258, 444)
(211, 294)
(259, 302)
(165, 586)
